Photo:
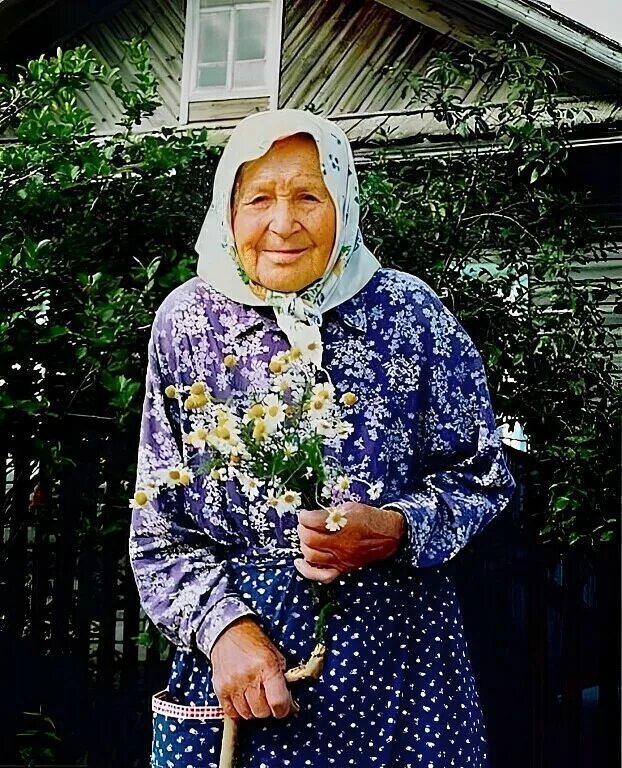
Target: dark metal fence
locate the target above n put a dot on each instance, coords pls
(543, 628)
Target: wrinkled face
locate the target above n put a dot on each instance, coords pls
(283, 216)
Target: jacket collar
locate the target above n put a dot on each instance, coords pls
(250, 318)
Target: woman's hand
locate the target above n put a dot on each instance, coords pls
(370, 534)
(248, 673)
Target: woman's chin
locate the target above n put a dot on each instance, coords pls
(286, 281)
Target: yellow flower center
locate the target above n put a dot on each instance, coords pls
(198, 388)
(201, 433)
(141, 498)
(273, 410)
(349, 398)
(171, 391)
(222, 432)
(184, 478)
(174, 474)
(256, 411)
(230, 361)
(275, 365)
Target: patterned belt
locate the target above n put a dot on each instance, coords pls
(162, 707)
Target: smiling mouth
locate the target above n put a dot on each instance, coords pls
(285, 256)
(285, 250)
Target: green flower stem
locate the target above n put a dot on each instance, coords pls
(324, 596)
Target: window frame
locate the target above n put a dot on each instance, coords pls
(190, 93)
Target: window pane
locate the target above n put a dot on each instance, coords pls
(251, 34)
(213, 37)
(210, 75)
(249, 73)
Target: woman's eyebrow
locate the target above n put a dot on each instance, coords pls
(302, 183)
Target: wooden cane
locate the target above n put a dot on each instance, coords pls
(309, 670)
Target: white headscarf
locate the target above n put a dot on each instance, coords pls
(350, 266)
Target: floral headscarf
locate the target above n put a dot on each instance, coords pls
(351, 264)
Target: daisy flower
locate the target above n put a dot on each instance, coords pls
(342, 483)
(336, 519)
(288, 501)
(250, 486)
(324, 427)
(319, 407)
(171, 477)
(196, 438)
(256, 411)
(274, 410)
(325, 391)
(141, 498)
(282, 383)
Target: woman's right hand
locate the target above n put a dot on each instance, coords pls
(248, 673)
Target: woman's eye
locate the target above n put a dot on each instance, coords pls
(258, 200)
(309, 197)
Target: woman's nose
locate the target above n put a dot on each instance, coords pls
(284, 222)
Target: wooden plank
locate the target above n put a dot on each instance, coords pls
(229, 109)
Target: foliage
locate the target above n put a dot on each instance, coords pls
(495, 229)
(97, 230)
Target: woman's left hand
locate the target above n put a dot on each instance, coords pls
(370, 534)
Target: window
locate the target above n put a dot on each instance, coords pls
(231, 51)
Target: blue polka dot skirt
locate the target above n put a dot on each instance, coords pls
(396, 690)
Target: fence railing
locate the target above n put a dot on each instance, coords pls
(542, 628)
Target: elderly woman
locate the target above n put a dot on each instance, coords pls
(281, 259)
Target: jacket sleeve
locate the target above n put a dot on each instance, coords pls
(463, 479)
(182, 584)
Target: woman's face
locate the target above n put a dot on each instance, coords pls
(283, 216)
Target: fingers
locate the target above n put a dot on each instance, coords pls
(241, 706)
(323, 575)
(316, 557)
(313, 518)
(270, 699)
(256, 699)
(229, 708)
(315, 539)
(278, 697)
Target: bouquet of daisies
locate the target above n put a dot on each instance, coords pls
(270, 445)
